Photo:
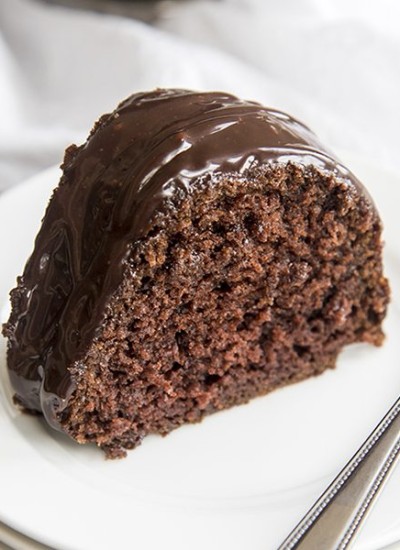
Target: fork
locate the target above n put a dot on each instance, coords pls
(335, 519)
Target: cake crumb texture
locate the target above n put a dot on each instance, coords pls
(248, 284)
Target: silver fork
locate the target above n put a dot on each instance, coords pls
(335, 519)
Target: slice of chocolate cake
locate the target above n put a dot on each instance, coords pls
(199, 251)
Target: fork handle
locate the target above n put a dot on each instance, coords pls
(336, 517)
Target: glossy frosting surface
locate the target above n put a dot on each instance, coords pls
(154, 147)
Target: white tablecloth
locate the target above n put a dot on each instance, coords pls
(333, 63)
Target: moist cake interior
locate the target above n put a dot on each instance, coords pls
(246, 284)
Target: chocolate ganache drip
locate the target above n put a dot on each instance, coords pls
(151, 149)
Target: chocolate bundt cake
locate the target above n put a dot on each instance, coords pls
(199, 251)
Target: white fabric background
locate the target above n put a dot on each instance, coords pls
(333, 63)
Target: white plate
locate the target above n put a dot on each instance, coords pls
(15, 540)
(239, 480)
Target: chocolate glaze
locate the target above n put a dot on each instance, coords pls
(154, 147)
